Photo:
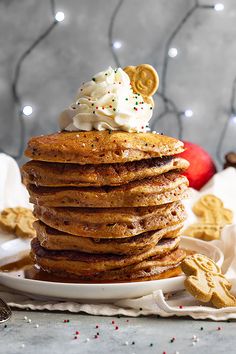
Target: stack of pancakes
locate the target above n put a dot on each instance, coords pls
(108, 204)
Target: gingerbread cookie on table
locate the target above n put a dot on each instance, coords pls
(18, 221)
(212, 217)
(211, 211)
(206, 282)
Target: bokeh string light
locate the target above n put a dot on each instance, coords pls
(170, 53)
(22, 110)
(113, 44)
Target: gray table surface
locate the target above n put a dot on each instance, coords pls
(48, 333)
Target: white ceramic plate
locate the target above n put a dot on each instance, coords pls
(10, 252)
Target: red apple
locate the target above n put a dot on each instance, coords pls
(201, 168)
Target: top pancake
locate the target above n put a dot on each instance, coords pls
(97, 147)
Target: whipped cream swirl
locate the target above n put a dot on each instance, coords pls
(107, 102)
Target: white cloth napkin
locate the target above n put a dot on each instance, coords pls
(13, 193)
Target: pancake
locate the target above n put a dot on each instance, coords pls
(52, 239)
(81, 263)
(101, 147)
(49, 174)
(143, 275)
(111, 223)
(151, 269)
(162, 189)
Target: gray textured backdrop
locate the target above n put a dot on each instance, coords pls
(199, 78)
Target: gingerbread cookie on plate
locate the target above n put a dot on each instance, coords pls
(206, 282)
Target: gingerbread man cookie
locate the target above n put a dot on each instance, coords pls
(205, 282)
(211, 210)
(206, 232)
(213, 216)
(144, 80)
(18, 221)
